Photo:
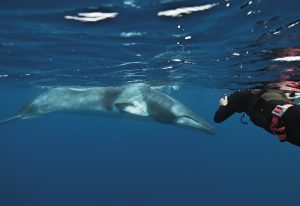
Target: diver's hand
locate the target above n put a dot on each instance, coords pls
(223, 101)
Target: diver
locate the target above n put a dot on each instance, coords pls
(274, 110)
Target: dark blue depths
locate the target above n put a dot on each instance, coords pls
(79, 160)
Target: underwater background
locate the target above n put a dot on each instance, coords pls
(210, 48)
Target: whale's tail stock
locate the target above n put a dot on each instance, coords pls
(10, 119)
(26, 112)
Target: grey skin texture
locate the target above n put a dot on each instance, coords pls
(137, 102)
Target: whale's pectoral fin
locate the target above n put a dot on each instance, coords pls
(131, 109)
(123, 106)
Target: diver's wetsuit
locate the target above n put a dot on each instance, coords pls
(258, 105)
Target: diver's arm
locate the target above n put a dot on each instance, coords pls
(227, 107)
(223, 113)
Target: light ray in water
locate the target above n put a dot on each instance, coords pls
(186, 10)
(92, 17)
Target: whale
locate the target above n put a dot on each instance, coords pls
(128, 101)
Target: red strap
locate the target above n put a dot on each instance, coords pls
(277, 114)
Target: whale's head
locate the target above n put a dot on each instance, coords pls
(184, 117)
(165, 109)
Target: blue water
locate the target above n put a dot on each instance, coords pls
(86, 160)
